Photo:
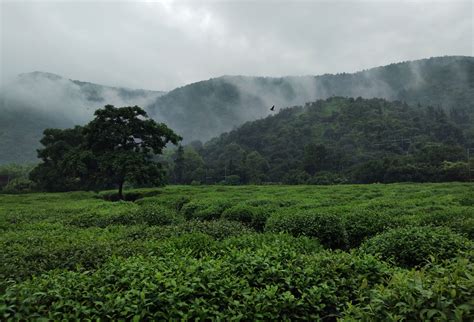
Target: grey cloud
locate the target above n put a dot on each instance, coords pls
(168, 44)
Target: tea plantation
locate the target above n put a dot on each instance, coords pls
(349, 252)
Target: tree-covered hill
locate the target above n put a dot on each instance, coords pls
(205, 109)
(335, 140)
(36, 101)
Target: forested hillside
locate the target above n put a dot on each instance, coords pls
(206, 109)
(203, 110)
(331, 141)
(36, 101)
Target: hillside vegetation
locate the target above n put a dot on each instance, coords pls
(352, 252)
(333, 141)
(36, 101)
(203, 110)
(206, 109)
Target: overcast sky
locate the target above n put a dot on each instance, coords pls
(162, 45)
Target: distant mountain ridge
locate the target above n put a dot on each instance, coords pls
(205, 109)
(220, 104)
(38, 100)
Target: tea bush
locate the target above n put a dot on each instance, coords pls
(255, 217)
(458, 220)
(436, 293)
(148, 214)
(205, 209)
(361, 225)
(270, 282)
(217, 229)
(327, 228)
(76, 256)
(414, 246)
(157, 215)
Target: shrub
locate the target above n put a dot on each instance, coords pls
(436, 293)
(361, 225)
(146, 214)
(458, 220)
(272, 282)
(114, 196)
(252, 216)
(414, 246)
(327, 228)
(217, 229)
(30, 252)
(19, 185)
(157, 215)
(205, 209)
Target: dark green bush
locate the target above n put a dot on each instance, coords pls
(271, 282)
(361, 225)
(436, 293)
(30, 252)
(19, 185)
(217, 229)
(254, 217)
(146, 214)
(114, 196)
(327, 228)
(458, 220)
(414, 246)
(209, 209)
(157, 215)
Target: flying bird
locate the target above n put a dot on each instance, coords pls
(272, 108)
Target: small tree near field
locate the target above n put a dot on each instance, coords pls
(120, 145)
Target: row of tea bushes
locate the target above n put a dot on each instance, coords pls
(251, 277)
(38, 248)
(256, 276)
(335, 227)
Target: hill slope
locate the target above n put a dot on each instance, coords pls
(205, 109)
(338, 139)
(35, 101)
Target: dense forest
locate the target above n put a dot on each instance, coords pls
(206, 109)
(337, 140)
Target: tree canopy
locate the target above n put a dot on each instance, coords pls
(118, 145)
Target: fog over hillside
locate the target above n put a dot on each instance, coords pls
(203, 110)
(38, 100)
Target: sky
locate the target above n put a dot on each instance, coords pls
(161, 45)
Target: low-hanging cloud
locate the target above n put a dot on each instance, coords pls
(162, 45)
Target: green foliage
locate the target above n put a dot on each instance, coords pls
(415, 246)
(148, 214)
(205, 209)
(272, 281)
(254, 217)
(217, 229)
(77, 256)
(436, 293)
(19, 185)
(341, 140)
(327, 228)
(361, 225)
(116, 146)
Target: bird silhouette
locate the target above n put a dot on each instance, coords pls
(272, 108)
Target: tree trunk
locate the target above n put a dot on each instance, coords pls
(120, 192)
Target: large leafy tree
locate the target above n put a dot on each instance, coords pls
(118, 145)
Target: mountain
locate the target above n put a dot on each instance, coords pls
(38, 100)
(334, 140)
(203, 110)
